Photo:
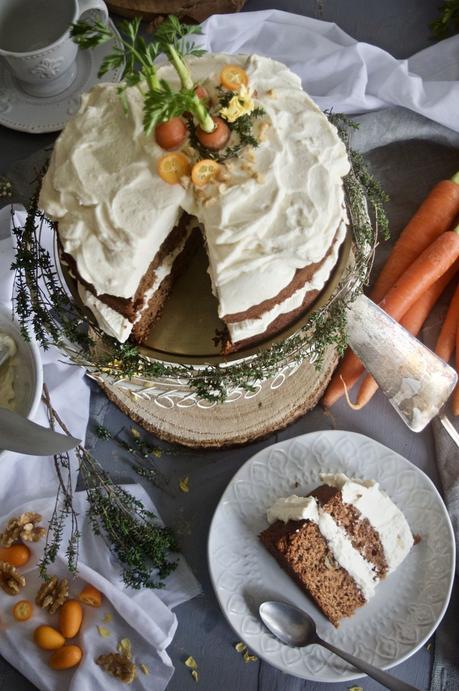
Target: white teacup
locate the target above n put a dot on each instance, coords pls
(35, 41)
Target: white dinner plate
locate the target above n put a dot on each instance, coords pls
(406, 608)
(34, 114)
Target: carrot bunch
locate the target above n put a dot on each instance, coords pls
(423, 261)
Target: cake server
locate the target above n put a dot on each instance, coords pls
(17, 433)
(416, 381)
(295, 628)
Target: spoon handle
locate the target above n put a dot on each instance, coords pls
(384, 678)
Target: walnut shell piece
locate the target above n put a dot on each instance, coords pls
(52, 594)
(118, 665)
(11, 581)
(24, 527)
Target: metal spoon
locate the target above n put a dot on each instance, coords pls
(296, 628)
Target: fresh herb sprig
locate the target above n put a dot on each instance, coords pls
(243, 127)
(171, 37)
(447, 23)
(161, 102)
(131, 532)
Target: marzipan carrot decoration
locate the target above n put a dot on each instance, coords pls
(412, 321)
(435, 215)
(446, 340)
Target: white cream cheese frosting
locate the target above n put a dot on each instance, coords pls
(114, 323)
(373, 504)
(307, 508)
(8, 372)
(114, 211)
(380, 511)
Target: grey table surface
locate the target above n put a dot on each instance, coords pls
(401, 27)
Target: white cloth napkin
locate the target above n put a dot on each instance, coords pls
(339, 72)
(29, 483)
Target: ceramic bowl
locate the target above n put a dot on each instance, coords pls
(28, 381)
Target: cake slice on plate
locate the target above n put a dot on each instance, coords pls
(338, 542)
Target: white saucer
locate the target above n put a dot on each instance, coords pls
(20, 111)
(407, 606)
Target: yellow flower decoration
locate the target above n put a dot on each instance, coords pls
(241, 104)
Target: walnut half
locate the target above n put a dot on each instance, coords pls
(10, 580)
(52, 594)
(118, 665)
(23, 527)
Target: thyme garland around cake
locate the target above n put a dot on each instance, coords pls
(227, 148)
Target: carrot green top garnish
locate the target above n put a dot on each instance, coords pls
(161, 101)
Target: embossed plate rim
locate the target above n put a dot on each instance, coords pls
(301, 661)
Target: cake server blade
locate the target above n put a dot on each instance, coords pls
(415, 380)
(17, 433)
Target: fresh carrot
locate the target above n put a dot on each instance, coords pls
(412, 321)
(346, 375)
(435, 215)
(433, 263)
(455, 402)
(445, 342)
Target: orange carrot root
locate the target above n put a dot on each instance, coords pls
(435, 215)
(446, 340)
(349, 370)
(431, 265)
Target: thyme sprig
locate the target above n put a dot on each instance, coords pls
(243, 127)
(447, 22)
(54, 318)
(132, 533)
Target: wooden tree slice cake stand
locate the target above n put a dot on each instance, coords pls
(194, 10)
(279, 402)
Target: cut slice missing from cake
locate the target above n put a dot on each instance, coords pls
(338, 542)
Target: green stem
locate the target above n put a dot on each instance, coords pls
(455, 178)
(153, 81)
(202, 115)
(181, 68)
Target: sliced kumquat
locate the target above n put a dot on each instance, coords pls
(23, 610)
(233, 77)
(204, 171)
(172, 167)
(90, 596)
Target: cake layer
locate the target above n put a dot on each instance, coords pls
(115, 322)
(302, 551)
(275, 213)
(365, 544)
(276, 314)
(381, 513)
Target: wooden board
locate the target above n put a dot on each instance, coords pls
(279, 403)
(195, 10)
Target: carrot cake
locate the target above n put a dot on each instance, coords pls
(338, 542)
(273, 220)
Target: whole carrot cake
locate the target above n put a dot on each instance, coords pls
(338, 542)
(271, 212)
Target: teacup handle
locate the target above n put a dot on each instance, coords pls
(99, 5)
